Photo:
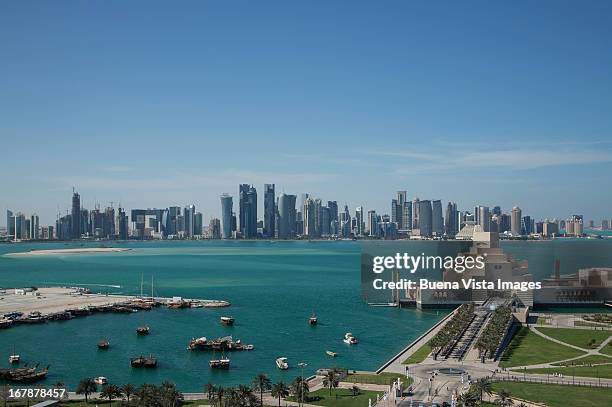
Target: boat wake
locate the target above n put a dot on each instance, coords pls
(82, 284)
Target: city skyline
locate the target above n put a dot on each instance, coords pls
(484, 104)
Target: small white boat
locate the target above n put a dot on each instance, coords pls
(249, 347)
(14, 359)
(100, 380)
(350, 339)
(227, 321)
(330, 353)
(282, 364)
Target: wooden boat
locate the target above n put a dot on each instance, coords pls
(24, 374)
(143, 330)
(14, 357)
(282, 364)
(223, 363)
(150, 362)
(227, 321)
(137, 362)
(103, 344)
(330, 353)
(313, 319)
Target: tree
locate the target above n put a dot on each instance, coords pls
(128, 391)
(355, 391)
(483, 386)
(299, 388)
(504, 398)
(262, 383)
(169, 395)
(331, 380)
(468, 399)
(86, 387)
(209, 389)
(110, 392)
(280, 390)
(218, 397)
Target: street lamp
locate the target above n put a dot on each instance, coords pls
(302, 365)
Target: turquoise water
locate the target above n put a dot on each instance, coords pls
(273, 287)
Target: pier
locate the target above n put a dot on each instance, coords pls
(25, 306)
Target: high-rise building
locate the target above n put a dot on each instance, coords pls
(10, 225)
(324, 220)
(122, 225)
(437, 221)
(359, 221)
(286, 216)
(76, 216)
(198, 223)
(333, 211)
(451, 222)
(483, 217)
(345, 222)
(415, 213)
(227, 207)
(516, 217)
(373, 224)
(243, 190)
(526, 225)
(310, 218)
(189, 220)
(425, 218)
(214, 229)
(269, 211)
(250, 214)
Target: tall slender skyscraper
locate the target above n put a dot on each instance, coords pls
(516, 217)
(359, 221)
(189, 220)
(415, 213)
(227, 207)
(286, 216)
(425, 218)
(250, 214)
(269, 211)
(437, 221)
(76, 216)
(243, 190)
(483, 217)
(451, 224)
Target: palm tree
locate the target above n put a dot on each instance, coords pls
(522, 405)
(483, 386)
(468, 399)
(355, 391)
(170, 396)
(110, 391)
(504, 398)
(280, 390)
(331, 380)
(128, 390)
(217, 397)
(262, 383)
(299, 388)
(86, 387)
(209, 389)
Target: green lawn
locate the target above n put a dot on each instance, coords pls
(603, 371)
(342, 398)
(418, 356)
(607, 349)
(557, 395)
(382, 378)
(577, 337)
(593, 324)
(587, 360)
(528, 348)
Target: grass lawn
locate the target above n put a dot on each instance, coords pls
(418, 356)
(587, 360)
(342, 398)
(528, 348)
(557, 395)
(577, 337)
(607, 349)
(382, 378)
(593, 324)
(603, 371)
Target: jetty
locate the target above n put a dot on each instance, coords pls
(39, 305)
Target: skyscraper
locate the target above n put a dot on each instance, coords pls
(516, 221)
(483, 217)
(451, 224)
(76, 216)
(373, 225)
(359, 221)
(250, 214)
(269, 211)
(415, 213)
(286, 216)
(10, 224)
(122, 224)
(189, 220)
(310, 218)
(243, 190)
(198, 223)
(425, 218)
(227, 207)
(437, 221)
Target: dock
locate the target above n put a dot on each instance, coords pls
(23, 305)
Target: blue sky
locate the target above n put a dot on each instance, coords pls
(156, 103)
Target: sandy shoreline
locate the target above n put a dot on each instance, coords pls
(82, 250)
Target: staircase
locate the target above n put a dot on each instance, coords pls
(466, 340)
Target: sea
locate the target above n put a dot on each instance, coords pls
(273, 286)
